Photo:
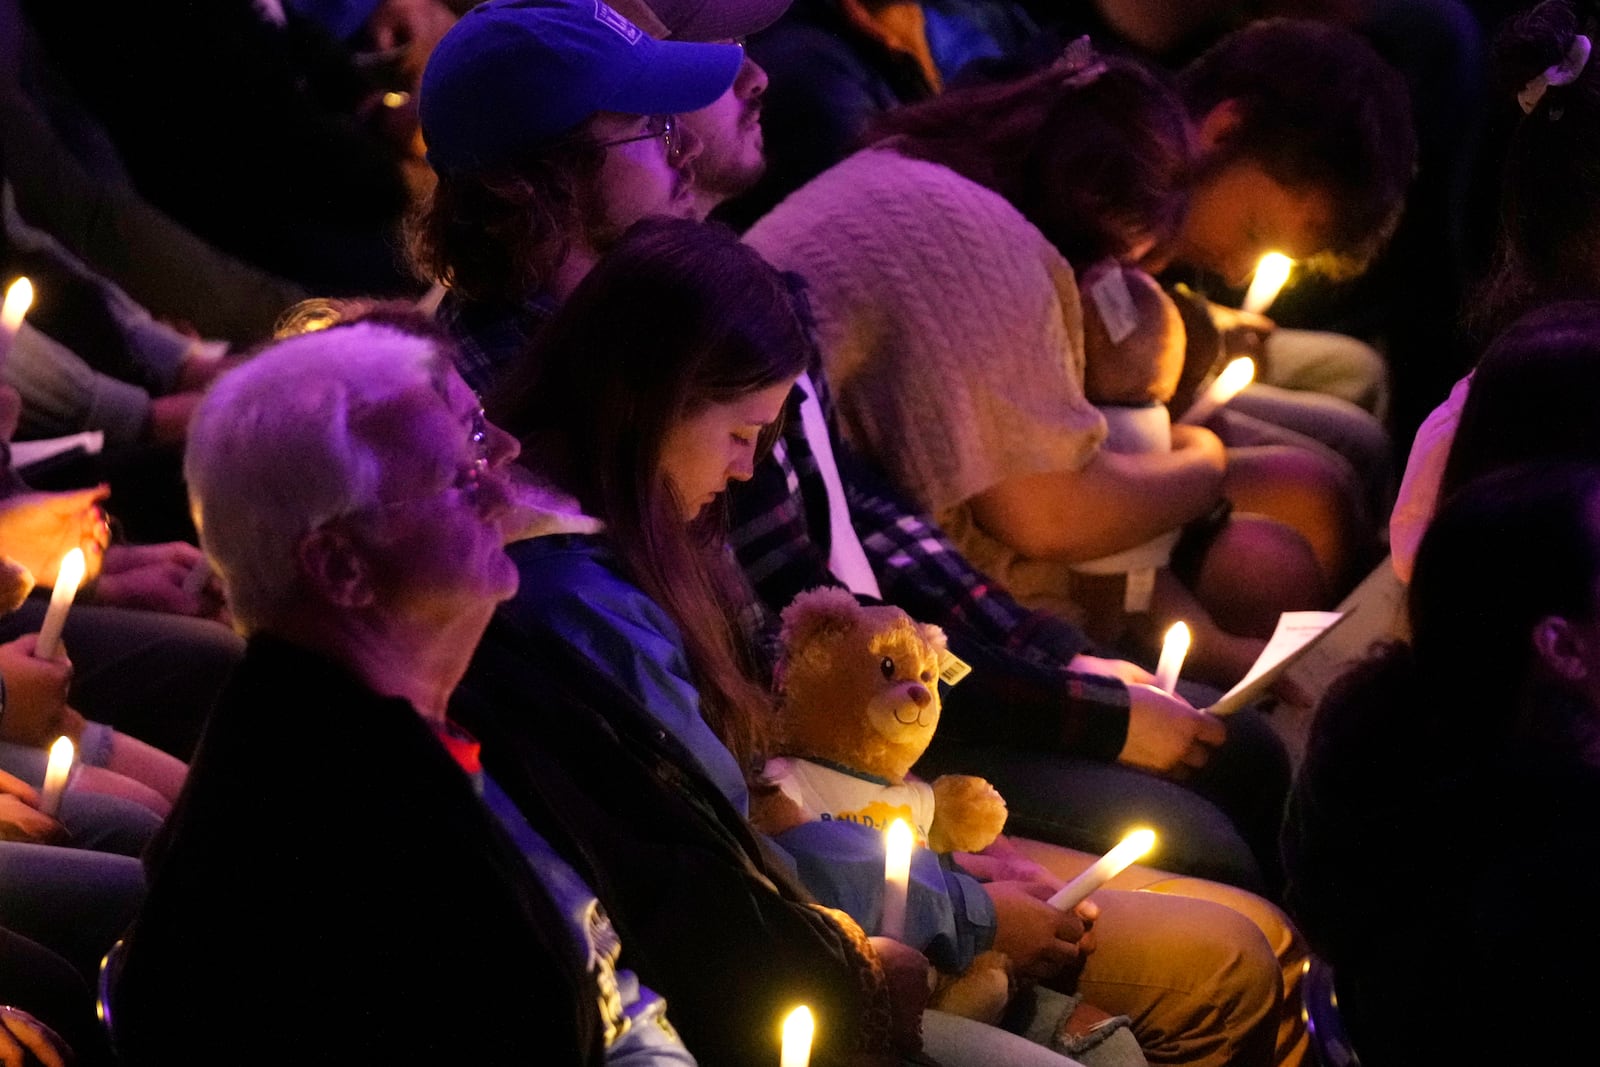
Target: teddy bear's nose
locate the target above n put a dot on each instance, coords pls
(919, 695)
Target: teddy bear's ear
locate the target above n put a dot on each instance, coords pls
(816, 613)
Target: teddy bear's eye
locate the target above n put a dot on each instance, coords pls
(887, 666)
(927, 677)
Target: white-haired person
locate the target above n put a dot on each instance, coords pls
(338, 872)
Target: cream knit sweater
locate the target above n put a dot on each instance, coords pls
(950, 329)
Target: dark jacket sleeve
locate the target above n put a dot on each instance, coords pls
(731, 942)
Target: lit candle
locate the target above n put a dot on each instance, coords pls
(68, 575)
(1174, 647)
(1271, 273)
(1107, 867)
(798, 1029)
(1235, 376)
(55, 775)
(19, 297)
(896, 877)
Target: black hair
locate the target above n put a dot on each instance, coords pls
(1318, 109)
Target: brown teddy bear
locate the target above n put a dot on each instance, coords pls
(859, 704)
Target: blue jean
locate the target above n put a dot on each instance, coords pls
(73, 902)
(146, 673)
(96, 822)
(1221, 824)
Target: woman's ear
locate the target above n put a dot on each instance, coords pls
(334, 569)
(1561, 648)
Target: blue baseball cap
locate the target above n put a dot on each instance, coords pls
(514, 75)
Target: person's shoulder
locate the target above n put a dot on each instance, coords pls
(557, 566)
(573, 584)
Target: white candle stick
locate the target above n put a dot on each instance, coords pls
(896, 878)
(68, 576)
(19, 297)
(1235, 376)
(55, 776)
(798, 1030)
(1174, 647)
(1271, 273)
(1107, 867)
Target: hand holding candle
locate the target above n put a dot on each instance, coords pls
(898, 842)
(66, 587)
(1235, 376)
(1126, 853)
(1271, 273)
(1174, 647)
(55, 776)
(798, 1030)
(19, 297)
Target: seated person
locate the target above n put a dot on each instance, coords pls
(552, 127)
(1464, 768)
(1009, 474)
(351, 495)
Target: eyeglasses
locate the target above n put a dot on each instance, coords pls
(468, 482)
(662, 126)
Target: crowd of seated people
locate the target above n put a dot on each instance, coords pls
(422, 678)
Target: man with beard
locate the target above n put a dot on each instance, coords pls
(552, 126)
(733, 153)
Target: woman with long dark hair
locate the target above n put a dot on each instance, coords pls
(612, 691)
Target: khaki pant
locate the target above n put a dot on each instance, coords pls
(1209, 974)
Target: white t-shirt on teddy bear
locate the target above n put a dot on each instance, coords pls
(828, 793)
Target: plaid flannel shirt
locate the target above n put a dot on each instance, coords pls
(491, 337)
(780, 533)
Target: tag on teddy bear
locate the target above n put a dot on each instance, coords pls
(1140, 588)
(952, 668)
(1110, 294)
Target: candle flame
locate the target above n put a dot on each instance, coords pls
(1235, 376)
(70, 574)
(1174, 647)
(62, 754)
(798, 1030)
(1271, 273)
(56, 771)
(1134, 845)
(19, 298)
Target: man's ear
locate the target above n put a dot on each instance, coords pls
(1218, 125)
(334, 569)
(1561, 649)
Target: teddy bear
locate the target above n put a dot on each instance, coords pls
(859, 703)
